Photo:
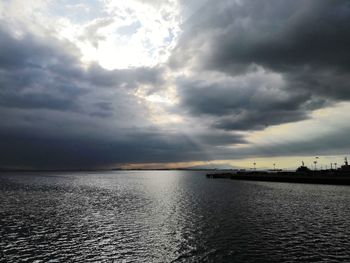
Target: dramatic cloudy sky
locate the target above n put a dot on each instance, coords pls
(148, 83)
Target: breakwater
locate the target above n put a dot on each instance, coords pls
(292, 177)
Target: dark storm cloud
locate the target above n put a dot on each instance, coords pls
(45, 73)
(305, 42)
(256, 120)
(247, 65)
(30, 74)
(284, 34)
(250, 103)
(228, 95)
(51, 106)
(56, 113)
(276, 34)
(42, 151)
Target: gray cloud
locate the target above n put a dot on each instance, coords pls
(252, 102)
(45, 73)
(42, 151)
(275, 34)
(304, 42)
(251, 64)
(257, 120)
(58, 114)
(30, 74)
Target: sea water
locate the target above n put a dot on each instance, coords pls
(169, 216)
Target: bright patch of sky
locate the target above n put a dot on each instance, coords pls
(121, 34)
(116, 34)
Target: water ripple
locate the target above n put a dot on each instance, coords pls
(169, 217)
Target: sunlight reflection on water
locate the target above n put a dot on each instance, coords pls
(166, 216)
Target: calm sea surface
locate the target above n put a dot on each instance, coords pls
(166, 216)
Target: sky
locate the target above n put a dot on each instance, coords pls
(173, 83)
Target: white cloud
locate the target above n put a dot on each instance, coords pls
(115, 34)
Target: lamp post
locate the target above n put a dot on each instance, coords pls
(315, 162)
(254, 165)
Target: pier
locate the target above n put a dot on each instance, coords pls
(340, 176)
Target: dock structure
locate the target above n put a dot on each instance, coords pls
(303, 174)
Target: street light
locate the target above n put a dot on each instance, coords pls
(315, 162)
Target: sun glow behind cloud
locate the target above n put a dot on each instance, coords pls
(130, 34)
(191, 79)
(116, 34)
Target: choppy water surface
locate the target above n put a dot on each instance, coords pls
(166, 216)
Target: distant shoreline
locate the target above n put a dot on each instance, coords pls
(111, 170)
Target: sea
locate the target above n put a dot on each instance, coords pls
(169, 216)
